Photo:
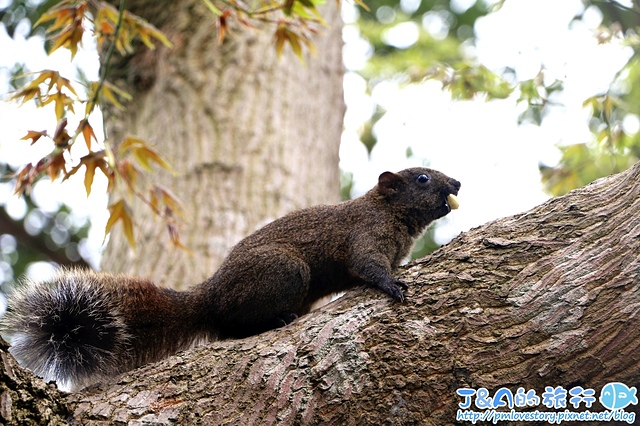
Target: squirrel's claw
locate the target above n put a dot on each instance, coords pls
(393, 289)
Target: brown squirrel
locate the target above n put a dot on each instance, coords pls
(82, 326)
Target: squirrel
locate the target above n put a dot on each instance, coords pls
(80, 327)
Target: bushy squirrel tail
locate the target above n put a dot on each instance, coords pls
(67, 329)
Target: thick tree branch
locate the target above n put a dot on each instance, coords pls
(25, 399)
(546, 298)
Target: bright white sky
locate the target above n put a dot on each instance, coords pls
(477, 142)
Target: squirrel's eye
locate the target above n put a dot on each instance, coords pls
(423, 179)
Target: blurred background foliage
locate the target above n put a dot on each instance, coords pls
(33, 234)
(405, 41)
(443, 32)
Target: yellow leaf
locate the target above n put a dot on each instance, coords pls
(26, 94)
(107, 168)
(32, 89)
(607, 105)
(88, 176)
(143, 154)
(127, 224)
(128, 144)
(109, 96)
(122, 93)
(142, 159)
(59, 11)
(146, 40)
(153, 155)
(115, 213)
(212, 8)
(120, 212)
(44, 76)
(153, 198)
(295, 44)
(592, 101)
(160, 37)
(69, 17)
(280, 36)
(91, 95)
(363, 5)
(61, 101)
(64, 82)
(111, 158)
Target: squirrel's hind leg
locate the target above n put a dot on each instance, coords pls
(268, 293)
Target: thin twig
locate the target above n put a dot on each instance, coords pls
(107, 58)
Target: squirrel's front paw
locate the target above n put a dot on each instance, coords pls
(394, 289)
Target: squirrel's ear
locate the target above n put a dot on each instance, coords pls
(388, 183)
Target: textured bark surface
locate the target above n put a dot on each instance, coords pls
(550, 297)
(25, 399)
(251, 136)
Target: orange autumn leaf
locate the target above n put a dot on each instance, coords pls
(61, 137)
(67, 28)
(88, 176)
(284, 34)
(129, 172)
(87, 132)
(131, 27)
(55, 166)
(223, 25)
(34, 136)
(91, 162)
(25, 179)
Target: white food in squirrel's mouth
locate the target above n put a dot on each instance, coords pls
(453, 202)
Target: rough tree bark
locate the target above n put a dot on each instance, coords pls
(550, 297)
(251, 136)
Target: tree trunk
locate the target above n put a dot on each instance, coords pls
(550, 297)
(251, 136)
